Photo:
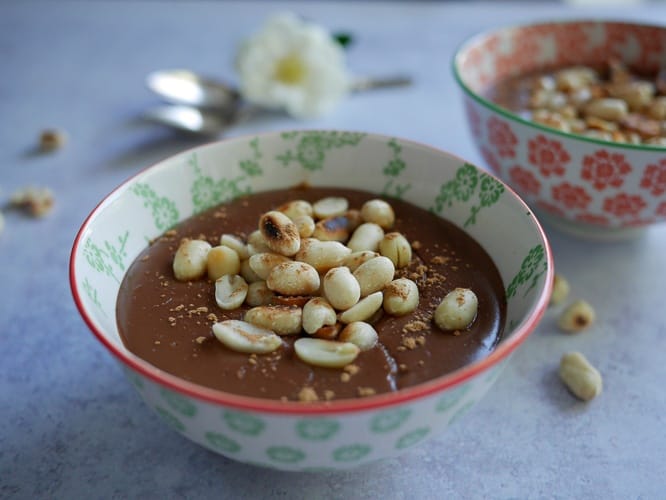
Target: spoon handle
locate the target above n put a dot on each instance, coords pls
(369, 83)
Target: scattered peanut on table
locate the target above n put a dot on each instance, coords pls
(580, 377)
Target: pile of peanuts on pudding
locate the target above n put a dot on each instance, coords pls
(318, 270)
(623, 107)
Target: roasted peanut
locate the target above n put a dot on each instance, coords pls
(280, 233)
(258, 294)
(374, 274)
(363, 310)
(296, 208)
(256, 243)
(329, 207)
(326, 353)
(283, 320)
(293, 278)
(262, 263)
(305, 225)
(318, 313)
(457, 310)
(353, 260)
(577, 317)
(607, 109)
(366, 237)
(580, 377)
(359, 333)
(322, 255)
(341, 288)
(401, 296)
(574, 78)
(637, 94)
(230, 291)
(379, 212)
(396, 247)
(35, 201)
(247, 273)
(52, 139)
(191, 259)
(222, 260)
(244, 337)
(236, 244)
(334, 228)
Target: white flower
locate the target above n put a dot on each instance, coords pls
(293, 65)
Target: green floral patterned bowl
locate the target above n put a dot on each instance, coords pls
(315, 436)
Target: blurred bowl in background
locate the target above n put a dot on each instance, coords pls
(593, 188)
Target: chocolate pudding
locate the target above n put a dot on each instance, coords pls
(169, 322)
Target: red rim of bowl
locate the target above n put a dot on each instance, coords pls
(386, 400)
(470, 42)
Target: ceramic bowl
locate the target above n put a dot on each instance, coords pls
(317, 436)
(586, 186)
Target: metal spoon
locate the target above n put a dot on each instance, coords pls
(191, 119)
(208, 107)
(181, 86)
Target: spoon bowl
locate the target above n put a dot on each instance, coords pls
(191, 119)
(181, 86)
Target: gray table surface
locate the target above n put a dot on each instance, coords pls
(70, 424)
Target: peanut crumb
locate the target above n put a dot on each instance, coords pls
(351, 369)
(401, 348)
(307, 395)
(420, 340)
(366, 391)
(409, 343)
(421, 362)
(252, 361)
(345, 377)
(170, 233)
(415, 326)
(329, 394)
(212, 317)
(145, 258)
(439, 259)
(52, 139)
(402, 367)
(200, 340)
(157, 342)
(416, 245)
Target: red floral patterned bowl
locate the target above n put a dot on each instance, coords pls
(586, 186)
